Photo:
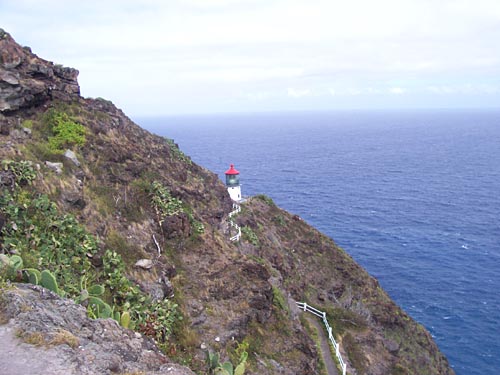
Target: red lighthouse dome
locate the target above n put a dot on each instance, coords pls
(232, 171)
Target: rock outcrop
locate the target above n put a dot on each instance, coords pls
(41, 333)
(27, 80)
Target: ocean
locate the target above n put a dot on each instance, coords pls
(413, 196)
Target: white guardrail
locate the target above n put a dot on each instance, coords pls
(320, 314)
(236, 209)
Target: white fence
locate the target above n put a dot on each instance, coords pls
(320, 314)
(236, 209)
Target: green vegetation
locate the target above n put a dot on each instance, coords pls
(176, 152)
(64, 131)
(48, 280)
(314, 334)
(163, 203)
(267, 200)
(22, 172)
(226, 368)
(27, 124)
(250, 236)
(280, 220)
(344, 320)
(45, 239)
(166, 205)
(198, 226)
(279, 300)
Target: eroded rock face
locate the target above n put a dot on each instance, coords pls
(27, 80)
(41, 333)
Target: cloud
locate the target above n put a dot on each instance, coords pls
(298, 93)
(397, 90)
(465, 89)
(258, 96)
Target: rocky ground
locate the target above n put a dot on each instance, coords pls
(41, 333)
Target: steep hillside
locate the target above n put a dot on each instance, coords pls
(91, 197)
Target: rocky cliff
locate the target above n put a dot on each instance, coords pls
(142, 209)
(26, 80)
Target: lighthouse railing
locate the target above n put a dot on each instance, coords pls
(236, 209)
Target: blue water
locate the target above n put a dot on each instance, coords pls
(414, 197)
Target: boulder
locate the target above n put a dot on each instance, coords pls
(55, 336)
(71, 156)
(145, 264)
(176, 226)
(56, 167)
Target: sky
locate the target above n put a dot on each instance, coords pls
(172, 57)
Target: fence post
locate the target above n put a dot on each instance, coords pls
(305, 306)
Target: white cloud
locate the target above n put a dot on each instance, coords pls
(298, 93)
(465, 89)
(397, 90)
(258, 96)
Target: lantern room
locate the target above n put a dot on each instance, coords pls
(233, 183)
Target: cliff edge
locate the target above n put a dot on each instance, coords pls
(128, 225)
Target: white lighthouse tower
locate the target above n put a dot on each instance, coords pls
(233, 183)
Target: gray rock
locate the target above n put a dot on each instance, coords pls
(144, 264)
(9, 78)
(28, 81)
(391, 345)
(71, 343)
(56, 167)
(70, 155)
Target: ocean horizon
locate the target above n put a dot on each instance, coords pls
(411, 195)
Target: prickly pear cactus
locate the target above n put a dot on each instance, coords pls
(125, 319)
(48, 280)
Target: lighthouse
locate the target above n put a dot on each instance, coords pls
(233, 183)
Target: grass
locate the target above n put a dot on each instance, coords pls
(32, 338)
(64, 337)
(267, 200)
(4, 285)
(314, 335)
(129, 253)
(279, 300)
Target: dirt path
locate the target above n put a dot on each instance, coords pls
(331, 368)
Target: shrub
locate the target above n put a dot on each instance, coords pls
(43, 238)
(267, 200)
(163, 203)
(250, 236)
(279, 300)
(176, 152)
(22, 171)
(64, 131)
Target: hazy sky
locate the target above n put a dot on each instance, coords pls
(197, 56)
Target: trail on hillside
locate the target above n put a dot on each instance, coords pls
(331, 368)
